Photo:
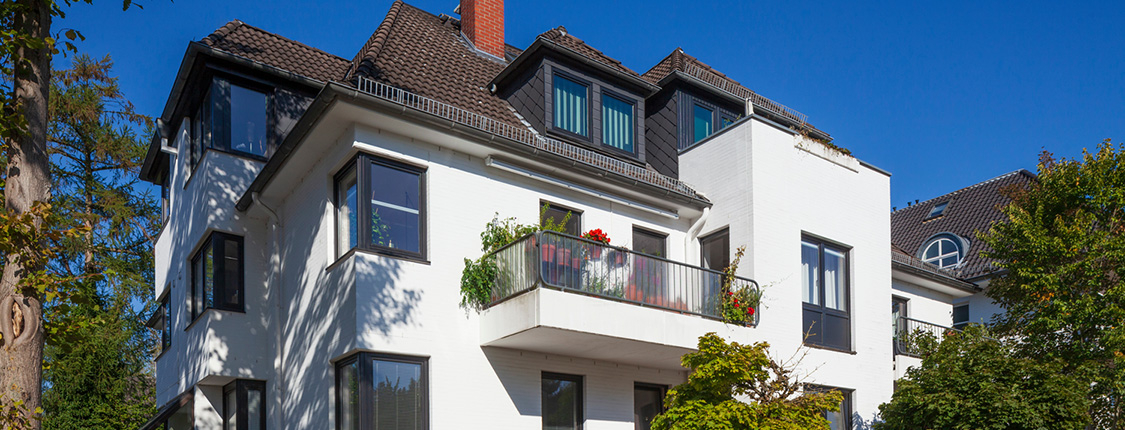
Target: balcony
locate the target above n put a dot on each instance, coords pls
(565, 295)
(908, 330)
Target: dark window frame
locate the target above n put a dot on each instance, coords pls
(722, 232)
(203, 114)
(196, 300)
(554, 128)
(575, 214)
(962, 324)
(652, 234)
(648, 386)
(605, 92)
(580, 401)
(821, 308)
(688, 101)
(845, 403)
(362, 162)
(240, 388)
(366, 389)
(166, 323)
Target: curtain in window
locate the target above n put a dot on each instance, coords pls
(810, 255)
(617, 123)
(398, 395)
(571, 112)
(702, 121)
(834, 281)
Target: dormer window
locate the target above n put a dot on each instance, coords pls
(702, 122)
(700, 119)
(572, 106)
(231, 118)
(617, 123)
(945, 250)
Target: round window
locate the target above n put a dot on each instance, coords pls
(943, 251)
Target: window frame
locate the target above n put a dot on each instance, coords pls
(201, 131)
(240, 388)
(647, 386)
(365, 395)
(961, 245)
(821, 307)
(845, 403)
(362, 162)
(632, 116)
(652, 234)
(722, 232)
(686, 136)
(198, 307)
(554, 128)
(953, 317)
(575, 215)
(166, 323)
(580, 401)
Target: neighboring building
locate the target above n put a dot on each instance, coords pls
(318, 211)
(939, 273)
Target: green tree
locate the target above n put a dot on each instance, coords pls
(1063, 250)
(970, 381)
(722, 374)
(97, 374)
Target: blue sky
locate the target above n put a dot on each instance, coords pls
(941, 94)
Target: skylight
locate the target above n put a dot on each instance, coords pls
(938, 210)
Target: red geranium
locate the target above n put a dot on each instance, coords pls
(596, 235)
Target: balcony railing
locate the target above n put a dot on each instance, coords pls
(558, 261)
(908, 331)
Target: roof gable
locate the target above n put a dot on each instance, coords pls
(270, 49)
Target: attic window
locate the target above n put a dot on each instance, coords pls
(938, 210)
(945, 250)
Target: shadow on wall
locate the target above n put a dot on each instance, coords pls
(384, 305)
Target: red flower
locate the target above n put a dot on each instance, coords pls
(596, 235)
(750, 311)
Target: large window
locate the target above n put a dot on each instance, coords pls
(161, 320)
(960, 316)
(571, 106)
(824, 279)
(231, 118)
(381, 392)
(380, 206)
(840, 419)
(648, 401)
(558, 214)
(617, 123)
(944, 250)
(715, 248)
(700, 119)
(244, 405)
(702, 122)
(649, 242)
(217, 275)
(562, 402)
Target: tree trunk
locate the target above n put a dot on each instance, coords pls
(28, 181)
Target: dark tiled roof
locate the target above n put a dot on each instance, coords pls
(969, 210)
(426, 55)
(270, 49)
(561, 37)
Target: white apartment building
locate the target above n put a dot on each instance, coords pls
(319, 211)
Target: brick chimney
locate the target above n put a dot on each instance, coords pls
(482, 21)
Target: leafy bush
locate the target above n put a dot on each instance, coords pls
(478, 277)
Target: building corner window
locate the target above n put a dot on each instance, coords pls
(244, 406)
(380, 206)
(380, 391)
(217, 275)
(825, 289)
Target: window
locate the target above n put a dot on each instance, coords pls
(961, 316)
(231, 118)
(571, 106)
(824, 276)
(217, 275)
(649, 242)
(716, 250)
(177, 414)
(381, 392)
(558, 214)
(648, 401)
(702, 122)
(161, 320)
(944, 250)
(842, 418)
(726, 120)
(380, 207)
(562, 402)
(898, 312)
(244, 406)
(617, 123)
(938, 210)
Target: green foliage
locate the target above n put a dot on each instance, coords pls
(739, 303)
(722, 374)
(478, 276)
(1063, 247)
(970, 381)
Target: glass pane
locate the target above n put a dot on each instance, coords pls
(938, 209)
(948, 261)
(617, 123)
(703, 118)
(835, 420)
(196, 286)
(398, 395)
(181, 419)
(835, 287)
(209, 277)
(230, 410)
(932, 251)
(573, 224)
(646, 405)
(254, 410)
(561, 404)
(810, 272)
(248, 121)
(726, 120)
(716, 251)
(166, 324)
(960, 314)
(232, 279)
(571, 106)
(648, 243)
(347, 228)
(395, 208)
(348, 396)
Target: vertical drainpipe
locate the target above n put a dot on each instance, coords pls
(693, 232)
(275, 268)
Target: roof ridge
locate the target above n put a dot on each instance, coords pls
(225, 29)
(288, 39)
(563, 32)
(374, 44)
(985, 182)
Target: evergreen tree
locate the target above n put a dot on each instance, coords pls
(97, 374)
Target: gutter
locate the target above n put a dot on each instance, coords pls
(335, 90)
(274, 282)
(947, 280)
(540, 43)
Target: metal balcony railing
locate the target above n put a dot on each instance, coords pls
(907, 332)
(739, 91)
(567, 263)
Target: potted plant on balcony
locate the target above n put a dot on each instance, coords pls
(739, 302)
(479, 277)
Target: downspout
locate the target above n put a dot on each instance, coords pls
(693, 232)
(275, 268)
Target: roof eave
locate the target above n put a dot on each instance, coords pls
(943, 279)
(647, 88)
